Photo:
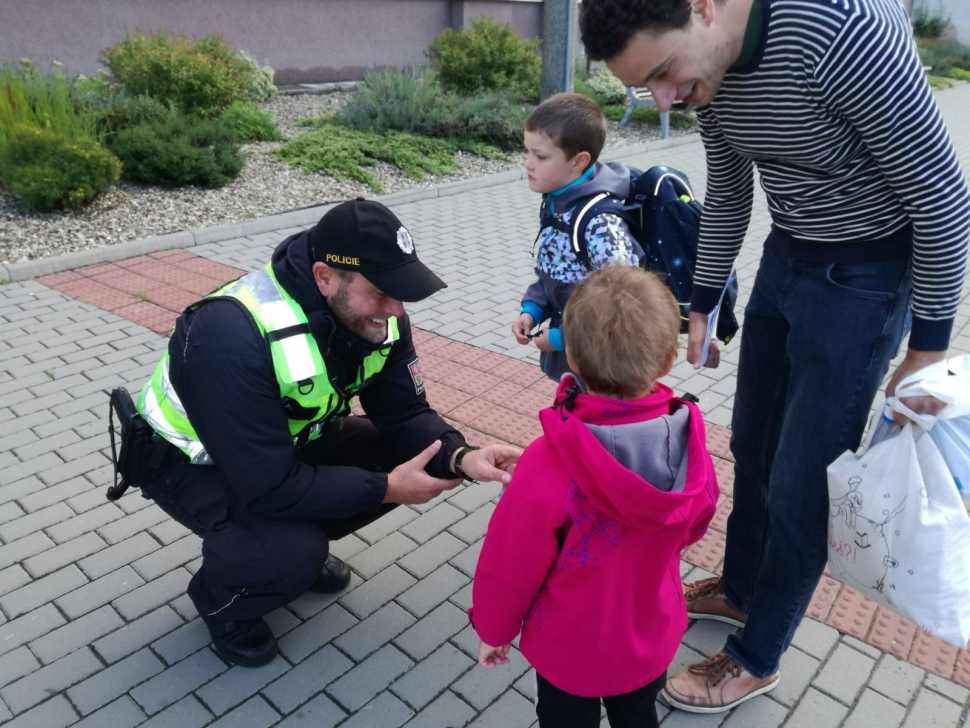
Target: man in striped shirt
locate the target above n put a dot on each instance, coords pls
(871, 219)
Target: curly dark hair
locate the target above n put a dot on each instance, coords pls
(608, 25)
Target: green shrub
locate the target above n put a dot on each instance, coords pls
(944, 57)
(113, 108)
(939, 82)
(182, 150)
(960, 74)
(342, 152)
(490, 118)
(928, 24)
(48, 170)
(261, 86)
(31, 98)
(488, 56)
(581, 86)
(648, 115)
(608, 86)
(248, 123)
(394, 100)
(414, 102)
(201, 76)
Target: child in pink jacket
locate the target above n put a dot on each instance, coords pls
(583, 551)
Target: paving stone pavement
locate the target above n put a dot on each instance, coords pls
(95, 627)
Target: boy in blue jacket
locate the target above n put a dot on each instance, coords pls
(564, 136)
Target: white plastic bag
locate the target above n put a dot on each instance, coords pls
(949, 428)
(952, 437)
(898, 530)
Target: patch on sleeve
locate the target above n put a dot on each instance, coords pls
(415, 369)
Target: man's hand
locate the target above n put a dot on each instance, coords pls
(522, 326)
(495, 462)
(490, 657)
(408, 483)
(914, 361)
(542, 342)
(696, 331)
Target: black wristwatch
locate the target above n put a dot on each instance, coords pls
(462, 451)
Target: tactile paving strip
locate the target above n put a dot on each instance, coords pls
(719, 522)
(962, 673)
(891, 633)
(933, 655)
(150, 290)
(852, 613)
(825, 594)
(719, 441)
(724, 470)
(444, 399)
(707, 553)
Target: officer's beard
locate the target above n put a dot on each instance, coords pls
(362, 326)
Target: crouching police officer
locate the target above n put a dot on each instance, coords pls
(251, 443)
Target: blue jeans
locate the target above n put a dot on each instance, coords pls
(816, 345)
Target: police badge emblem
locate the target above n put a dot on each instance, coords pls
(404, 241)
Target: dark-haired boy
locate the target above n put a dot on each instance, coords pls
(564, 136)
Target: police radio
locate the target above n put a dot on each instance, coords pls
(140, 452)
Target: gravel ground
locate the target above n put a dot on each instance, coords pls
(265, 187)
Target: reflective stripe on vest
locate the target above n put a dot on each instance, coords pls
(300, 370)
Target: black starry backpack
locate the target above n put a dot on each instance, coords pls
(665, 218)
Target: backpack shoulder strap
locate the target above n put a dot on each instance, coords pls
(600, 204)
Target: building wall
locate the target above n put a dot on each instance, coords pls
(959, 12)
(304, 40)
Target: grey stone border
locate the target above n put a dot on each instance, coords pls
(15, 272)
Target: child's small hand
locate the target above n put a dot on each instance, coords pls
(490, 657)
(522, 326)
(542, 341)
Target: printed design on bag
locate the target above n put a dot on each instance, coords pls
(858, 544)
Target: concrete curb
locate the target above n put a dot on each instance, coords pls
(15, 272)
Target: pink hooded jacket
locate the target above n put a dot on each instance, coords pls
(583, 551)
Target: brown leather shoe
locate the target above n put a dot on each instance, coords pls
(705, 600)
(715, 685)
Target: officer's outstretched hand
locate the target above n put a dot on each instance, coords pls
(495, 462)
(409, 483)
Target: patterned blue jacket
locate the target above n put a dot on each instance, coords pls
(558, 270)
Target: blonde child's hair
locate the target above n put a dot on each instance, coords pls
(621, 326)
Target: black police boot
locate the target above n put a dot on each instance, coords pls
(249, 642)
(334, 577)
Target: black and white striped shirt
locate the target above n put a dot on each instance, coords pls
(837, 115)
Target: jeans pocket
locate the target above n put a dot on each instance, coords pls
(871, 281)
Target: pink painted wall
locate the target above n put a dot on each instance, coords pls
(304, 40)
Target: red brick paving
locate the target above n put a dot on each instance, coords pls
(935, 656)
(491, 398)
(852, 613)
(891, 633)
(151, 290)
(823, 599)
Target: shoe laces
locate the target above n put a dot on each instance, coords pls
(716, 668)
(704, 589)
